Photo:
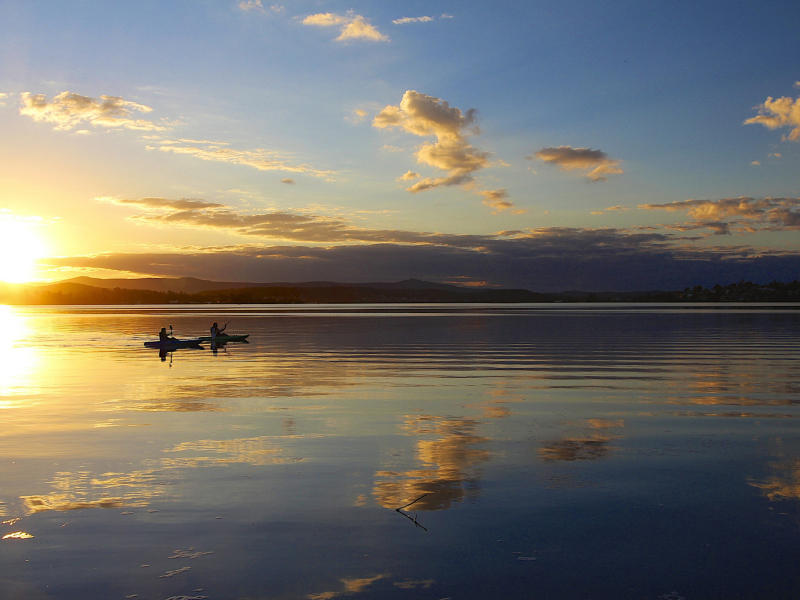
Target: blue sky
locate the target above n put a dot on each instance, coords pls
(547, 145)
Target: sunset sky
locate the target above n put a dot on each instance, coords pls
(590, 145)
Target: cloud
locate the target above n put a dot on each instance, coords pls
(251, 5)
(358, 115)
(162, 203)
(3, 97)
(424, 116)
(259, 158)
(278, 225)
(567, 158)
(777, 113)
(747, 214)
(406, 20)
(498, 200)
(326, 20)
(68, 110)
(288, 181)
(543, 259)
(409, 175)
(352, 26)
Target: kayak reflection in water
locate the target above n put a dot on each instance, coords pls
(215, 330)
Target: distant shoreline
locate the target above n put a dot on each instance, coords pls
(197, 292)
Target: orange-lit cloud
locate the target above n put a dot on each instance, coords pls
(498, 200)
(427, 116)
(595, 163)
(778, 113)
(352, 26)
(748, 214)
(68, 109)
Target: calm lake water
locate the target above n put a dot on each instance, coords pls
(554, 452)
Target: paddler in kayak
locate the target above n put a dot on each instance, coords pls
(163, 337)
(215, 330)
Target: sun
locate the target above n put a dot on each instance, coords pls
(20, 250)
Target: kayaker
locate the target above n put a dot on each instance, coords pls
(215, 330)
(162, 335)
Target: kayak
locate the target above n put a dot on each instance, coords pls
(174, 343)
(224, 337)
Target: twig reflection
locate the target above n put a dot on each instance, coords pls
(407, 516)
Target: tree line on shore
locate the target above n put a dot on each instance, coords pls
(72, 293)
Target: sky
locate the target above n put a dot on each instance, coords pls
(594, 145)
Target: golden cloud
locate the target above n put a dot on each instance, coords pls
(777, 113)
(68, 109)
(498, 200)
(425, 116)
(750, 214)
(566, 158)
(353, 27)
(259, 158)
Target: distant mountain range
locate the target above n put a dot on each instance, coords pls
(192, 285)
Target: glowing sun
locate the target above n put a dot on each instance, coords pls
(21, 248)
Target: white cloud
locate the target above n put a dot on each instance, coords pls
(566, 158)
(67, 110)
(409, 176)
(777, 113)
(352, 26)
(406, 20)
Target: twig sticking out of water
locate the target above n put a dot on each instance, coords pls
(400, 510)
(410, 503)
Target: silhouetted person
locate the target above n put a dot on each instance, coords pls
(162, 335)
(215, 330)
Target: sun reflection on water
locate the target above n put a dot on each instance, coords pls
(18, 362)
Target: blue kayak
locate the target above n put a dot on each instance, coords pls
(173, 343)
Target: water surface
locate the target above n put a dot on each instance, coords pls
(550, 451)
